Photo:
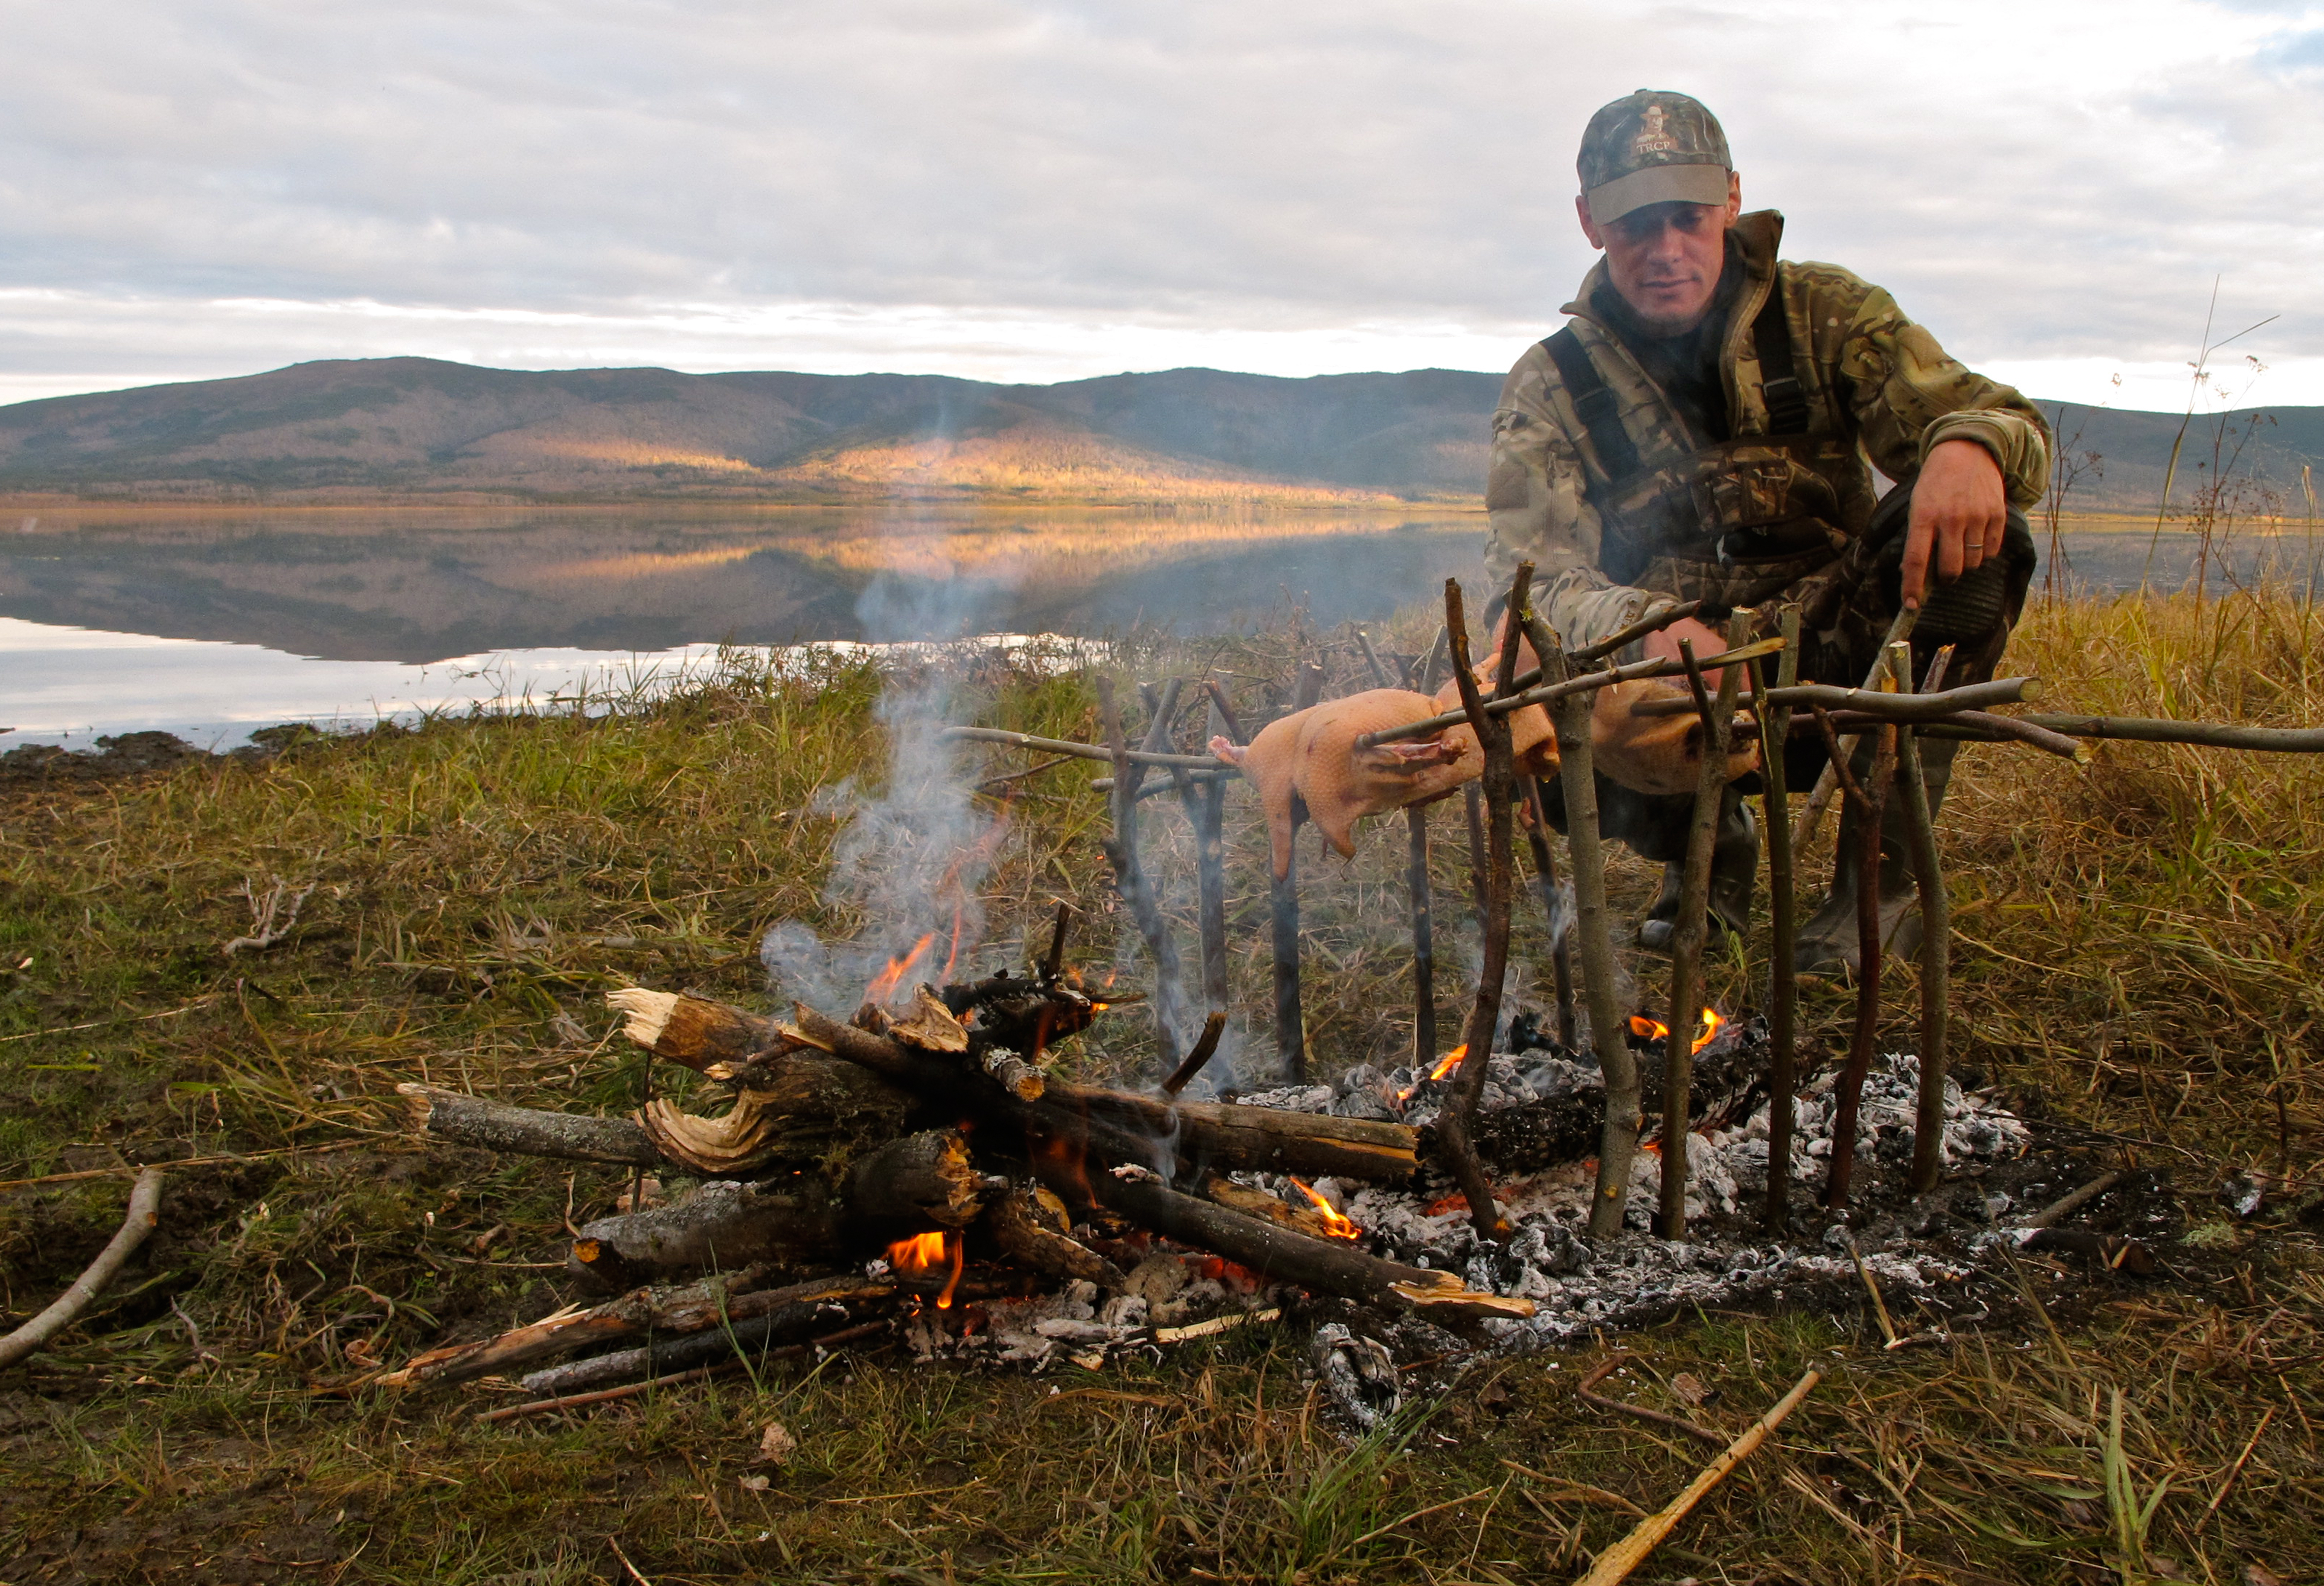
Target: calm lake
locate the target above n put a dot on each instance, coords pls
(209, 623)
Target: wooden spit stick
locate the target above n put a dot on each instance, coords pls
(1424, 936)
(2206, 735)
(1192, 762)
(1869, 802)
(1455, 1129)
(1473, 805)
(1550, 693)
(1936, 941)
(1561, 956)
(1614, 1565)
(1283, 915)
(144, 1211)
(1885, 707)
(1783, 905)
(1618, 1141)
(1688, 929)
(1130, 877)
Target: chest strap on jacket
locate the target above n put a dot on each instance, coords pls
(1593, 400)
(1779, 377)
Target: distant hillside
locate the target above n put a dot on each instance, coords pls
(421, 426)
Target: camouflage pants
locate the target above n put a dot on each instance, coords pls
(1847, 609)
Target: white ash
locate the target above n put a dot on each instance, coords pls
(1577, 1286)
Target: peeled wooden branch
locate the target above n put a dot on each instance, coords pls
(1193, 762)
(1615, 1562)
(136, 1223)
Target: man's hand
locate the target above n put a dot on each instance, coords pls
(1959, 510)
(1663, 645)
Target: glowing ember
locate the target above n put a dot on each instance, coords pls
(1334, 1224)
(1444, 1067)
(885, 984)
(1654, 1029)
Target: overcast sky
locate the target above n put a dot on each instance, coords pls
(1017, 190)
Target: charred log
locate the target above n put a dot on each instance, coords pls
(923, 1180)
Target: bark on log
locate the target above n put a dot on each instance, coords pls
(691, 1031)
(690, 1308)
(571, 1137)
(789, 1222)
(788, 1322)
(924, 1180)
(1030, 1225)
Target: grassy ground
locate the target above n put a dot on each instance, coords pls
(2138, 943)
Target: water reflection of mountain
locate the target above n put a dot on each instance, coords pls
(423, 587)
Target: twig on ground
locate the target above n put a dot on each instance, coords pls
(1616, 1561)
(144, 1209)
(1585, 1390)
(270, 919)
(2065, 1206)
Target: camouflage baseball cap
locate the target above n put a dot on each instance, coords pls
(1652, 147)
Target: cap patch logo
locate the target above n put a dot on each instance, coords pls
(1652, 139)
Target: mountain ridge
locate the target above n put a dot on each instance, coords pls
(427, 428)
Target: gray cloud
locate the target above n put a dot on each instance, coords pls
(2059, 182)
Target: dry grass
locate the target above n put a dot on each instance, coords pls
(2138, 950)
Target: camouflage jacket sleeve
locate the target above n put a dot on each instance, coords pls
(1907, 395)
(1534, 501)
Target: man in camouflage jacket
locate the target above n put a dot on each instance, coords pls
(1706, 427)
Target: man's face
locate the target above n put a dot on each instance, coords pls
(1665, 258)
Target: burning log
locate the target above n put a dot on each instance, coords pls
(920, 1179)
(1031, 1227)
(1273, 1251)
(792, 1221)
(1693, 903)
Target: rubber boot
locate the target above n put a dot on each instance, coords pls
(1734, 871)
(1826, 947)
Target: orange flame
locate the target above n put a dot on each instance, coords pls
(1654, 1029)
(1444, 1067)
(918, 1254)
(1335, 1223)
(924, 1253)
(884, 984)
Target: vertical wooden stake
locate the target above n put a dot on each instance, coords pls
(1936, 949)
(1870, 801)
(1206, 802)
(1617, 1138)
(1424, 937)
(1561, 956)
(1783, 900)
(1455, 1129)
(1689, 929)
(1283, 913)
(1129, 878)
